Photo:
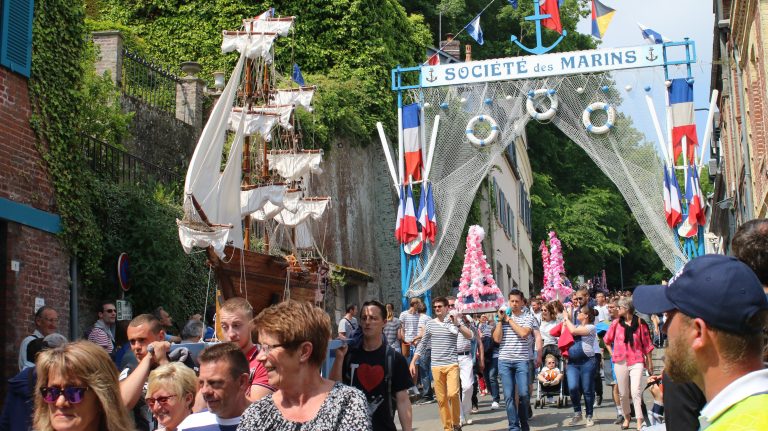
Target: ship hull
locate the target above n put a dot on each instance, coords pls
(262, 279)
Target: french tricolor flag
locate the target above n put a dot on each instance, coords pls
(672, 208)
(412, 142)
(431, 217)
(400, 209)
(409, 229)
(683, 125)
(696, 212)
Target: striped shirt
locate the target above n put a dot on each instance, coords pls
(441, 337)
(410, 322)
(390, 331)
(513, 347)
(464, 344)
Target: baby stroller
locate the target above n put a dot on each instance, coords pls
(554, 394)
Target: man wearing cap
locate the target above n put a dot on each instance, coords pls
(716, 310)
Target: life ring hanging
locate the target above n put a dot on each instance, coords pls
(553, 104)
(587, 120)
(474, 140)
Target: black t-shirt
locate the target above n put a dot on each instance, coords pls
(682, 405)
(142, 415)
(366, 371)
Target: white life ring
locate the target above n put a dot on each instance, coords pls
(587, 120)
(549, 113)
(474, 140)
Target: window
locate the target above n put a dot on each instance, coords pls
(499, 276)
(16, 35)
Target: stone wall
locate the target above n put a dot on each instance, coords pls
(159, 137)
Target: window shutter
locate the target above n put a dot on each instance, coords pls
(16, 35)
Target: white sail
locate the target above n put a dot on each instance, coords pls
(252, 45)
(255, 124)
(292, 166)
(191, 238)
(254, 199)
(266, 24)
(314, 209)
(304, 237)
(301, 96)
(271, 205)
(268, 212)
(283, 113)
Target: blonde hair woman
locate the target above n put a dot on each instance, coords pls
(171, 393)
(77, 390)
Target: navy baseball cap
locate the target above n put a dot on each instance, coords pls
(721, 290)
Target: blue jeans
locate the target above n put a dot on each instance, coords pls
(425, 375)
(492, 377)
(514, 374)
(580, 373)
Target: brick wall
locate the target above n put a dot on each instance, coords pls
(44, 261)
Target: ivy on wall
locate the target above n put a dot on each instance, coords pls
(101, 219)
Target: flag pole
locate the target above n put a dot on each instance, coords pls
(431, 152)
(387, 154)
(708, 129)
(657, 126)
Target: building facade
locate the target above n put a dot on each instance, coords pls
(507, 219)
(740, 155)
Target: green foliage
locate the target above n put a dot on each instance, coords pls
(354, 43)
(141, 222)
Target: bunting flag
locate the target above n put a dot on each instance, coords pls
(551, 8)
(431, 218)
(296, 75)
(601, 18)
(409, 228)
(674, 200)
(400, 210)
(651, 36)
(412, 143)
(474, 30)
(672, 209)
(683, 125)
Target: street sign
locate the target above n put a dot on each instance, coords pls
(124, 310)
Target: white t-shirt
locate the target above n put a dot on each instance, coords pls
(347, 326)
(602, 313)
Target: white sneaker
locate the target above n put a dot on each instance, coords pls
(575, 420)
(494, 405)
(590, 422)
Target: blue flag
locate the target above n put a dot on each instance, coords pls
(296, 75)
(513, 3)
(474, 30)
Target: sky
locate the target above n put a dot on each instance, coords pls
(674, 19)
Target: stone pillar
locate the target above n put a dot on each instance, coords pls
(189, 97)
(110, 56)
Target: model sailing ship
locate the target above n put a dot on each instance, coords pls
(253, 216)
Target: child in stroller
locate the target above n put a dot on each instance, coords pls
(550, 382)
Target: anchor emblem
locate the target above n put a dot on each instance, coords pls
(651, 56)
(538, 17)
(431, 77)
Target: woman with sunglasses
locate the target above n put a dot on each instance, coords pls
(171, 390)
(77, 390)
(293, 343)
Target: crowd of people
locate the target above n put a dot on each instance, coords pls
(266, 371)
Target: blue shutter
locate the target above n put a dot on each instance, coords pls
(16, 35)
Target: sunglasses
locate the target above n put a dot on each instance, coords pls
(437, 306)
(160, 400)
(72, 394)
(111, 310)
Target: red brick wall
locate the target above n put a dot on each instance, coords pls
(44, 261)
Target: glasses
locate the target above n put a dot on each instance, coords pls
(580, 298)
(111, 310)
(161, 400)
(437, 306)
(72, 394)
(266, 348)
(451, 305)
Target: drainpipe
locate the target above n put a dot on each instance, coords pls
(74, 311)
(744, 145)
(489, 235)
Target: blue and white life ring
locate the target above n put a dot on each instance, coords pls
(474, 140)
(587, 120)
(553, 104)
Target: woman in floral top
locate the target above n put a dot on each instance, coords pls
(293, 339)
(631, 353)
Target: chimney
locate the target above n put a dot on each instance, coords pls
(451, 46)
(467, 52)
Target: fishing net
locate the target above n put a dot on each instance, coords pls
(625, 155)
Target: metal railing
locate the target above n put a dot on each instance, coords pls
(149, 82)
(117, 165)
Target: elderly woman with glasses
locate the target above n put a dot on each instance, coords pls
(629, 341)
(77, 390)
(293, 343)
(171, 393)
